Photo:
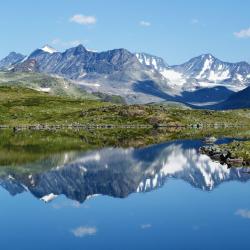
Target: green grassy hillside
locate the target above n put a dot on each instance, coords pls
(22, 106)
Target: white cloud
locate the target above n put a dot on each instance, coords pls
(145, 23)
(84, 231)
(146, 226)
(243, 33)
(83, 20)
(244, 213)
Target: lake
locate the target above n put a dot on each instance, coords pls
(161, 196)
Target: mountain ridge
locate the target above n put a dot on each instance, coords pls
(206, 70)
(141, 77)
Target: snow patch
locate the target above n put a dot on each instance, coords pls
(173, 76)
(48, 198)
(239, 77)
(207, 65)
(48, 49)
(92, 196)
(219, 76)
(44, 89)
(88, 84)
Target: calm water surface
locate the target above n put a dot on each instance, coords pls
(164, 196)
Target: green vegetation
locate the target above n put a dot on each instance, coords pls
(109, 98)
(238, 149)
(22, 106)
(29, 146)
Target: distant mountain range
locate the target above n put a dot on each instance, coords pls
(138, 77)
(10, 60)
(201, 71)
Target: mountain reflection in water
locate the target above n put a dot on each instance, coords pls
(119, 172)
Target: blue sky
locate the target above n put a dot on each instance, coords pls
(175, 30)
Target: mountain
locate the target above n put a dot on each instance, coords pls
(207, 69)
(141, 77)
(112, 72)
(156, 63)
(76, 62)
(201, 81)
(237, 100)
(10, 60)
(204, 71)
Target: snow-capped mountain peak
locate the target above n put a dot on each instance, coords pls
(207, 70)
(203, 71)
(48, 49)
(208, 56)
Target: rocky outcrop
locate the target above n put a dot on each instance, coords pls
(224, 155)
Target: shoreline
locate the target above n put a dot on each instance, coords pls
(115, 126)
(233, 154)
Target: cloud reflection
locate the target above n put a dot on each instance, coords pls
(83, 231)
(146, 226)
(244, 213)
